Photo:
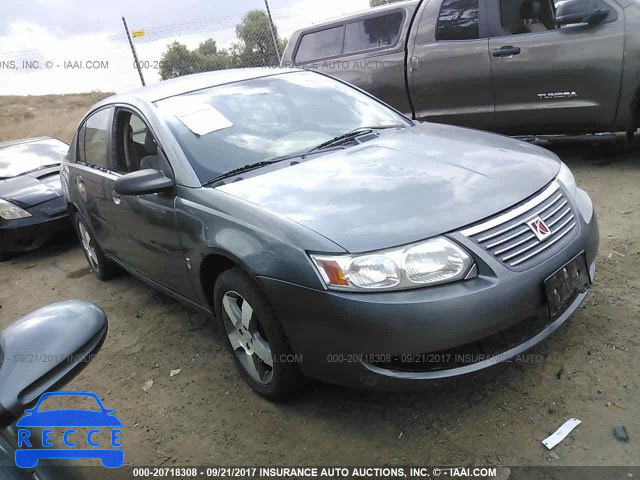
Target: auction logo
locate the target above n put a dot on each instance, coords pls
(86, 433)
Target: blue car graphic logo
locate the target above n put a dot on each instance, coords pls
(67, 419)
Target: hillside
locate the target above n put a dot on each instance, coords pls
(52, 115)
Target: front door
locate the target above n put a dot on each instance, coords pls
(147, 239)
(448, 68)
(553, 80)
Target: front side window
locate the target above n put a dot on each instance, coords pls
(526, 16)
(380, 31)
(136, 146)
(458, 20)
(96, 138)
(321, 44)
(228, 126)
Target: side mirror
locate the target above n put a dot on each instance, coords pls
(44, 350)
(143, 182)
(570, 12)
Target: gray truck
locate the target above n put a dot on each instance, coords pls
(518, 67)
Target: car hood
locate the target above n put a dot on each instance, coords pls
(32, 188)
(404, 186)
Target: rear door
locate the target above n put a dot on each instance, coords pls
(449, 72)
(553, 80)
(90, 180)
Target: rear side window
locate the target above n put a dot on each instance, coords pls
(321, 44)
(458, 20)
(381, 31)
(96, 138)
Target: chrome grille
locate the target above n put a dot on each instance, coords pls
(509, 239)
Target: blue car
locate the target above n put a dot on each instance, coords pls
(27, 457)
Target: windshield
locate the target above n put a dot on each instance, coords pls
(229, 126)
(25, 157)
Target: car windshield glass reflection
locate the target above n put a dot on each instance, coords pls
(23, 158)
(226, 127)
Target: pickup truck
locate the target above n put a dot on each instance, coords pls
(519, 67)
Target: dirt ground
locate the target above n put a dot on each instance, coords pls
(206, 415)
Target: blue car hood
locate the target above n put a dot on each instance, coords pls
(402, 187)
(32, 189)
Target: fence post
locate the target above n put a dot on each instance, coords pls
(273, 32)
(133, 50)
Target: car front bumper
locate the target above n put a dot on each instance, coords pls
(358, 339)
(28, 233)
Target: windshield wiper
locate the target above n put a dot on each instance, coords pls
(356, 132)
(264, 163)
(242, 169)
(42, 167)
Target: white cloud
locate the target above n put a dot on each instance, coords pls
(36, 59)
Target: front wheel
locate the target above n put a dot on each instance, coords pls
(100, 265)
(254, 337)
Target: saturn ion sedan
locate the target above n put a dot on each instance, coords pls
(329, 235)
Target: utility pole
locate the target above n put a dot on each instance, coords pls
(133, 50)
(273, 31)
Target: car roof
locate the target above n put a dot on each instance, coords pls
(190, 83)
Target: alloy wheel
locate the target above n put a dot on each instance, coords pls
(87, 244)
(247, 337)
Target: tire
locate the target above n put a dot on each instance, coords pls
(253, 335)
(102, 267)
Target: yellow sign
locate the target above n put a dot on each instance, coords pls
(137, 33)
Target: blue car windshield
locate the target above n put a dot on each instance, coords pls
(229, 126)
(66, 402)
(29, 156)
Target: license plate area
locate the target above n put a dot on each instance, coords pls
(564, 285)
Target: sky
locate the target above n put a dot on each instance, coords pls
(71, 46)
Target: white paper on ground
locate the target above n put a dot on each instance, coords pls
(560, 434)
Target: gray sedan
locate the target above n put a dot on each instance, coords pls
(330, 236)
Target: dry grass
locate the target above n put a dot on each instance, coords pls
(56, 116)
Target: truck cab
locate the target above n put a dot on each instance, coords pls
(512, 66)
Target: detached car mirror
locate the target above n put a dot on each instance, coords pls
(570, 12)
(44, 350)
(143, 182)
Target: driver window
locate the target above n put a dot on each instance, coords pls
(527, 16)
(137, 148)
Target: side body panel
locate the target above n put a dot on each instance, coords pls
(562, 81)
(629, 105)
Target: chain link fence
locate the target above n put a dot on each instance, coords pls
(71, 63)
(235, 42)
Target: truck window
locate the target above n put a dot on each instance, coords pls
(380, 31)
(526, 16)
(458, 20)
(320, 44)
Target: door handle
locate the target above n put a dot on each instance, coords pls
(413, 64)
(80, 185)
(507, 51)
(115, 197)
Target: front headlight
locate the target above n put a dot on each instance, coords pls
(566, 178)
(9, 211)
(434, 261)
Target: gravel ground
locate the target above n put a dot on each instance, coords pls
(206, 415)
